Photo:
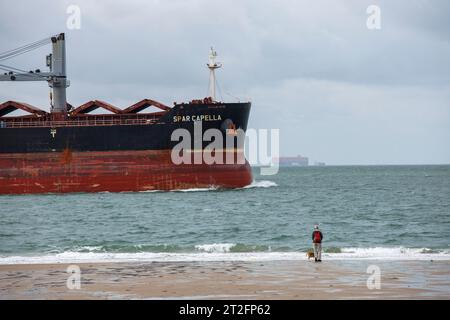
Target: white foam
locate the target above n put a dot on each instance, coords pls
(88, 248)
(254, 184)
(90, 257)
(391, 253)
(261, 184)
(220, 252)
(215, 247)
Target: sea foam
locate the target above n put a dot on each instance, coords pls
(261, 184)
(254, 184)
(223, 252)
(215, 247)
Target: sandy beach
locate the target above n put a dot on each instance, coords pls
(229, 280)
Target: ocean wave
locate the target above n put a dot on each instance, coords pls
(254, 184)
(165, 248)
(261, 184)
(228, 252)
(215, 247)
(392, 253)
(231, 247)
(128, 248)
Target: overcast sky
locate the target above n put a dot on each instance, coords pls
(338, 92)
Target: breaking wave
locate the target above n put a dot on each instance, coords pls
(231, 247)
(220, 252)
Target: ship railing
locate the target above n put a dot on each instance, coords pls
(76, 123)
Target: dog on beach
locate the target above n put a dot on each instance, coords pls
(310, 254)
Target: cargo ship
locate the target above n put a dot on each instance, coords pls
(69, 149)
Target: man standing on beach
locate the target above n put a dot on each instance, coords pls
(317, 243)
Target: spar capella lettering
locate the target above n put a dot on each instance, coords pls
(200, 117)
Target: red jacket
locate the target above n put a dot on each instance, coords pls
(320, 236)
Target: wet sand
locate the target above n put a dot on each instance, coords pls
(229, 280)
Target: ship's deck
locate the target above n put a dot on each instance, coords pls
(80, 116)
(97, 120)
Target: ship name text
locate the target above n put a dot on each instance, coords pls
(200, 117)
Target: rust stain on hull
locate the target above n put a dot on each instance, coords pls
(113, 171)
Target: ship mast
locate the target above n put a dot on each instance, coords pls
(58, 81)
(213, 65)
(56, 78)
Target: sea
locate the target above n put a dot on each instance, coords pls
(364, 212)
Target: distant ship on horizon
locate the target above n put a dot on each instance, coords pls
(297, 161)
